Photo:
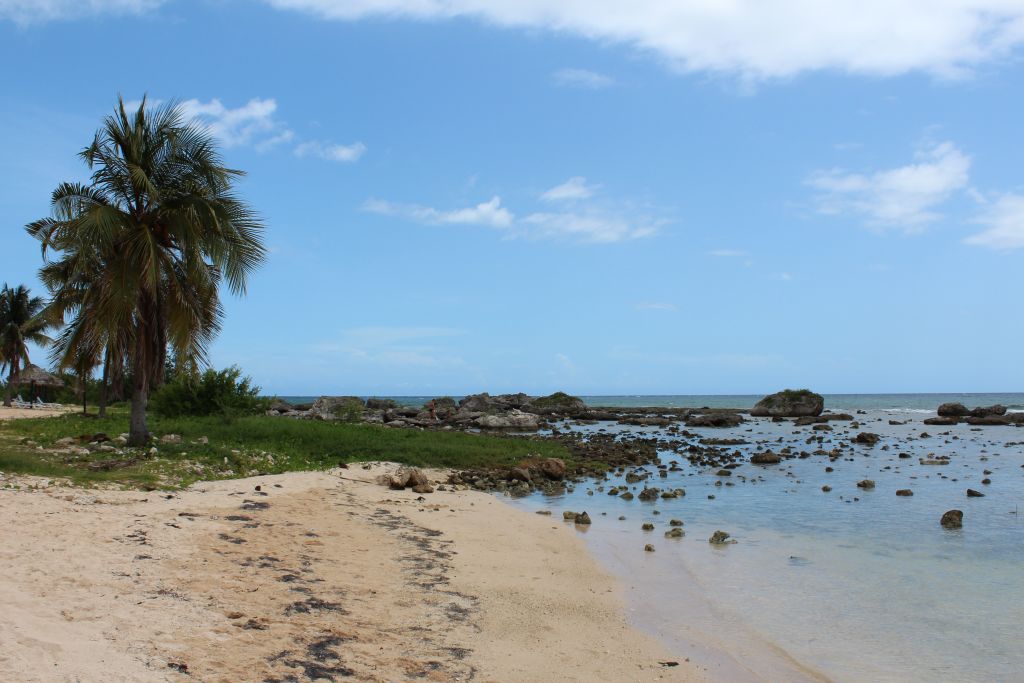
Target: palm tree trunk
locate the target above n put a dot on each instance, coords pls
(103, 384)
(10, 387)
(138, 433)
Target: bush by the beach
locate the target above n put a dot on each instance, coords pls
(225, 393)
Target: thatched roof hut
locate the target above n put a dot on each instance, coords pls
(36, 376)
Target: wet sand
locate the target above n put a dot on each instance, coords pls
(316, 576)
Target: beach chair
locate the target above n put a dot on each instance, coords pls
(19, 402)
(47, 406)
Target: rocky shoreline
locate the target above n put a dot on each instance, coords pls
(599, 454)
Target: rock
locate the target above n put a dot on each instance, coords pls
(904, 492)
(952, 519)
(476, 403)
(675, 533)
(826, 488)
(515, 419)
(675, 522)
(203, 440)
(866, 484)
(582, 518)
(867, 438)
(558, 402)
(519, 474)
(66, 441)
(996, 420)
(941, 421)
(647, 526)
(720, 538)
(381, 404)
(789, 403)
(408, 477)
(170, 438)
(568, 514)
(971, 493)
(553, 468)
(348, 408)
(715, 419)
(649, 548)
(952, 410)
(983, 411)
(724, 473)
(423, 488)
(628, 495)
(767, 458)
(649, 494)
(280, 406)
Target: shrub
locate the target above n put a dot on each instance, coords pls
(226, 393)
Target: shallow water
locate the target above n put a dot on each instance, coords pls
(855, 585)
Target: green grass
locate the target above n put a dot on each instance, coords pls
(250, 445)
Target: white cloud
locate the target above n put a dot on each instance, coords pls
(34, 11)
(252, 123)
(905, 197)
(490, 213)
(583, 224)
(573, 188)
(1004, 219)
(582, 78)
(589, 225)
(755, 39)
(343, 153)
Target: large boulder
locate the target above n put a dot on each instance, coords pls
(514, 419)
(280, 406)
(410, 477)
(988, 411)
(337, 408)
(552, 468)
(952, 519)
(941, 421)
(558, 402)
(381, 404)
(952, 410)
(789, 403)
(478, 403)
(714, 419)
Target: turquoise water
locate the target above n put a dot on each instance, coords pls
(850, 585)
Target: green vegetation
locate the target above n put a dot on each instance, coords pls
(247, 446)
(555, 400)
(141, 250)
(796, 394)
(23, 319)
(226, 394)
(350, 410)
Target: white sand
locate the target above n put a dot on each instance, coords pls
(117, 585)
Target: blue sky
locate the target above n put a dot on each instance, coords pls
(672, 198)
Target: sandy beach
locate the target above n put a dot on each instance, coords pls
(305, 576)
(22, 413)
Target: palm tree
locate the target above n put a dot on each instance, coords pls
(23, 319)
(154, 233)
